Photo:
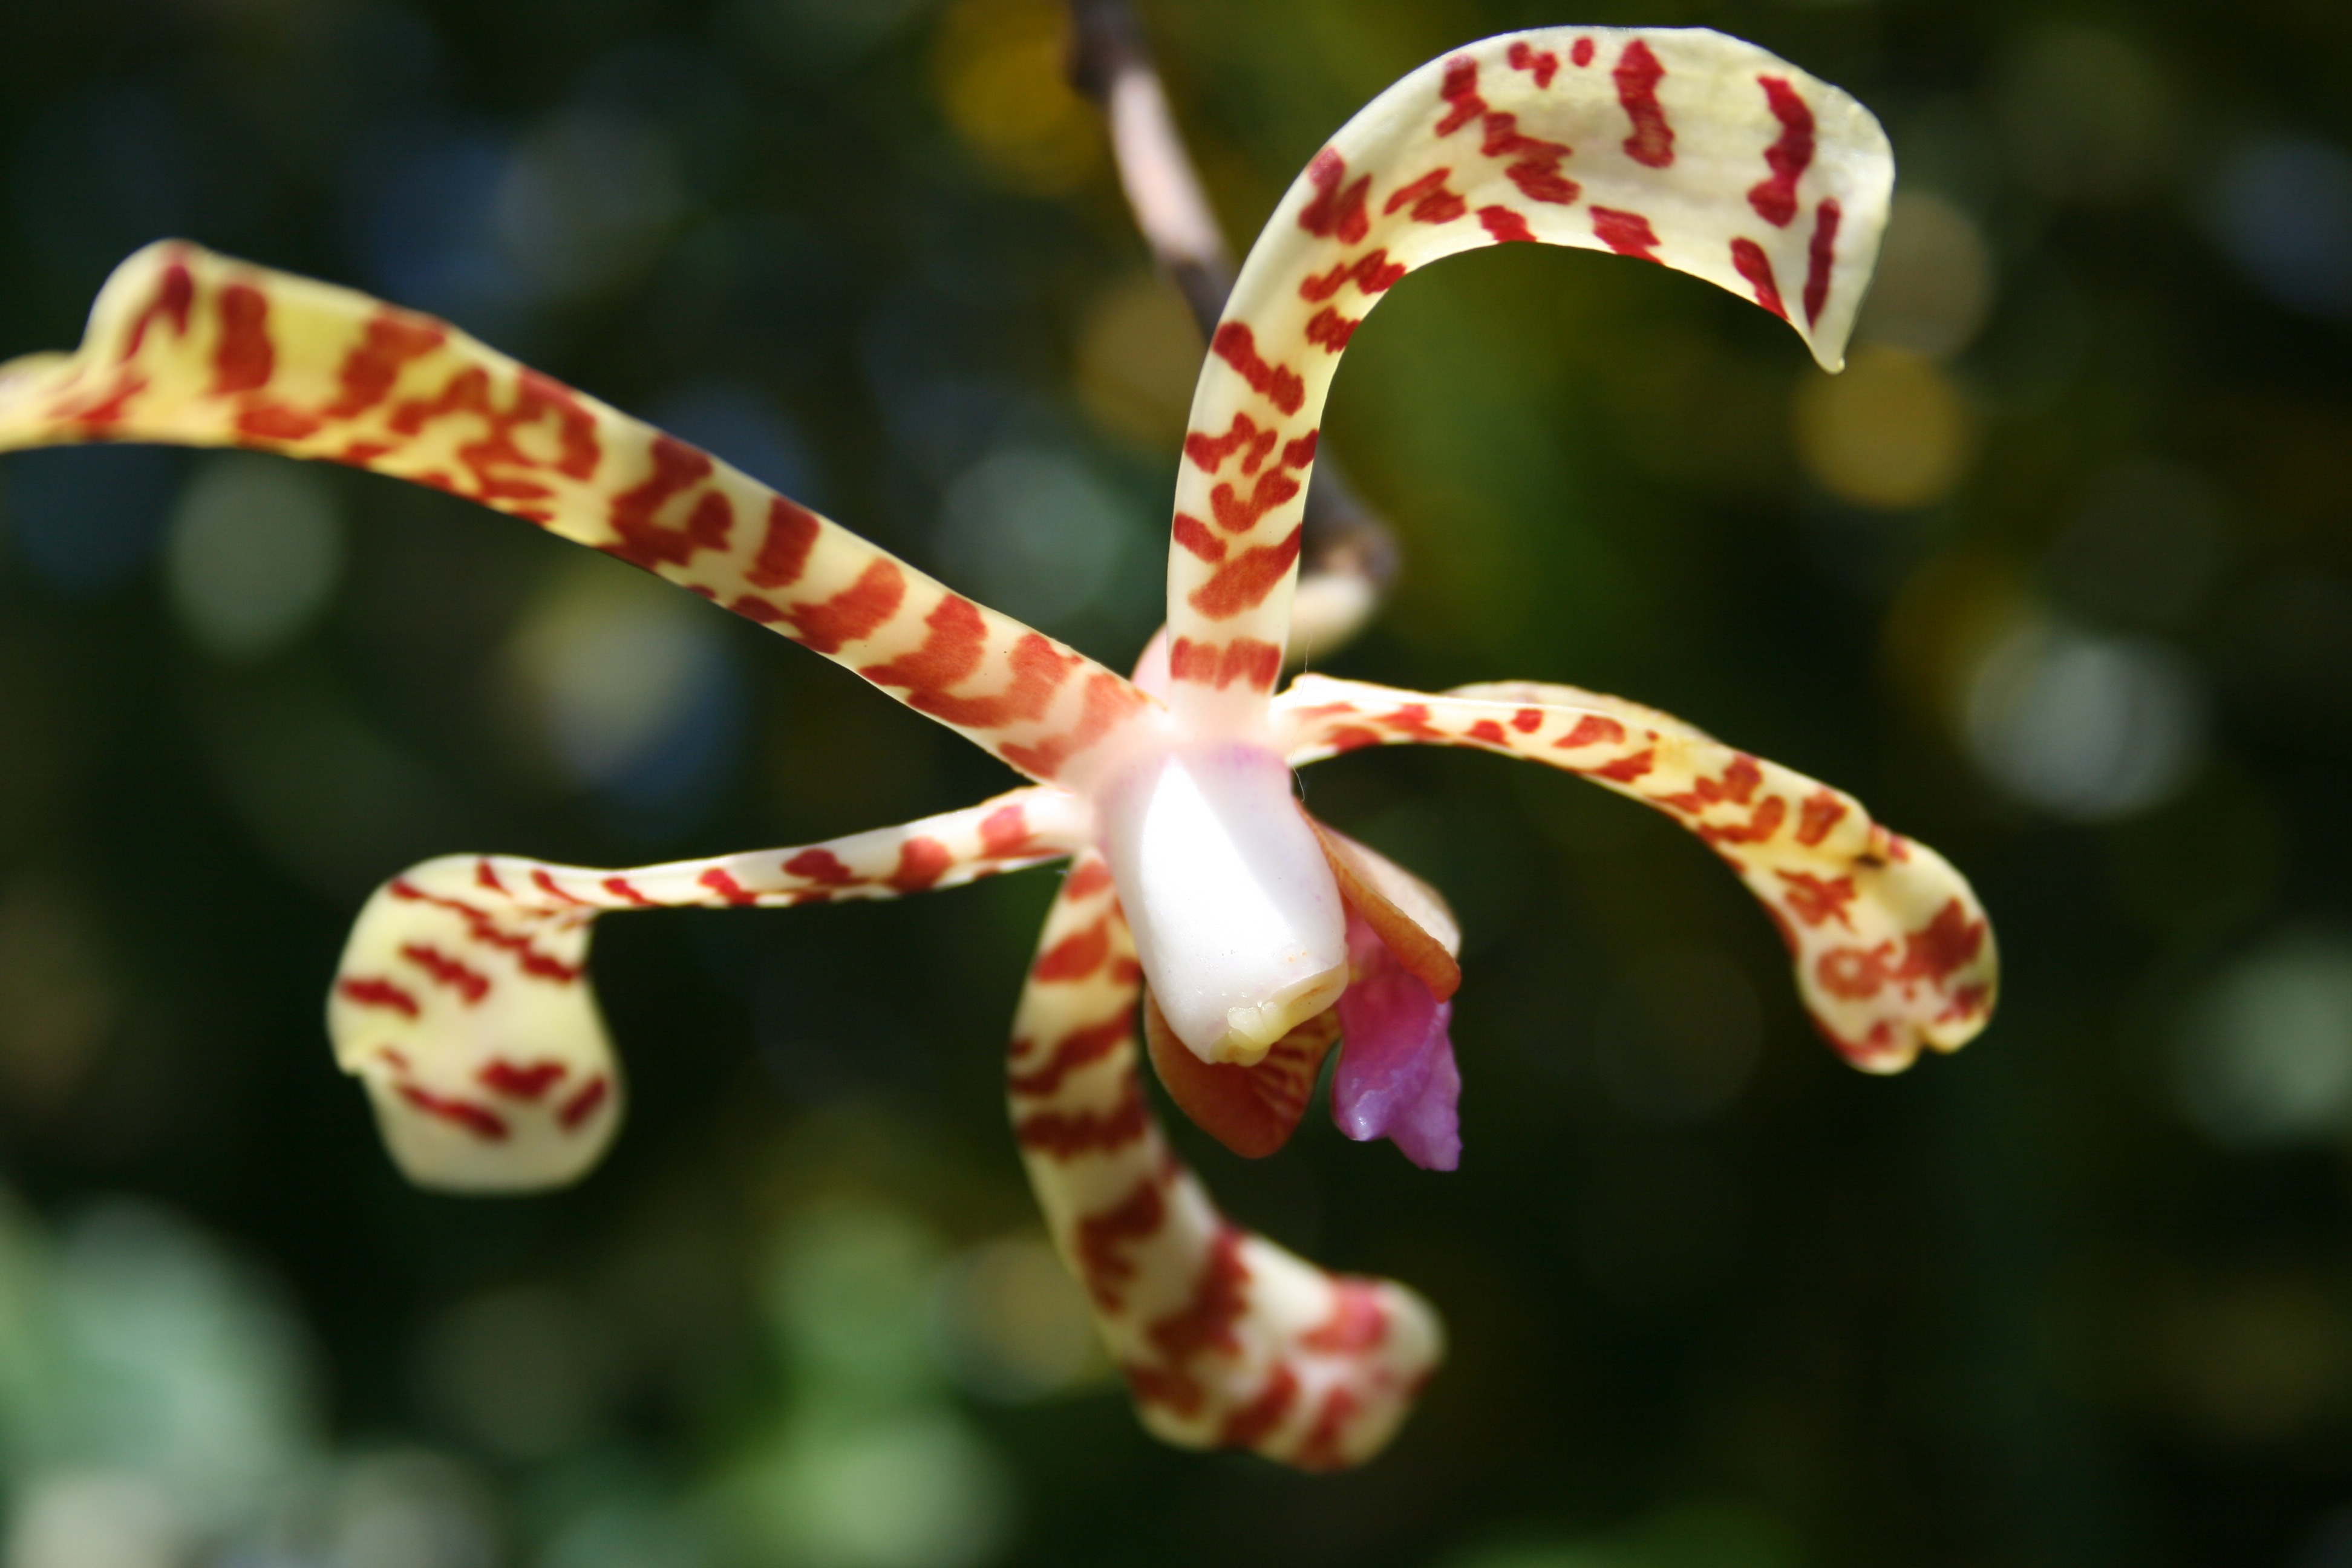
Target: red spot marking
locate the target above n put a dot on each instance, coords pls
(1946, 943)
(398, 1058)
(1209, 453)
(244, 358)
(1822, 811)
(1460, 91)
(1430, 200)
(1076, 956)
(1581, 52)
(1535, 166)
(1320, 1449)
(371, 367)
(1108, 700)
(1775, 199)
(1004, 833)
(1278, 385)
(1762, 824)
(487, 876)
(1238, 516)
(1194, 534)
(1207, 1321)
(727, 887)
(1127, 972)
(1251, 662)
(820, 865)
(1489, 731)
(921, 862)
(1244, 582)
(1413, 720)
(1625, 770)
(851, 616)
(276, 422)
(468, 982)
(546, 884)
(1065, 1135)
(583, 1105)
(1737, 785)
(620, 888)
(362, 453)
(1627, 234)
(1167, 1388)
(480, 927)
(1255, 1422)
(1542, 67)
(1335, 213)
(175, 290)
(478, 1120)
(1299, 453)
(377, 993)
(1076, 1049)
(469, 392)
(1591, 730)
(1087, 881)
(1527, 721)
(1853, 973)
(1372, 272)
(1756, 267)
(1354, 738)
(1503, 224)
(1820, 255)
(1967, 1003)
(677, 469)
(1102, 1239)
(954, 642)
(520, 1081)
(1358, 1321)
(784, 548)
(1331, 330)
(1814, 900)
(1637, 76)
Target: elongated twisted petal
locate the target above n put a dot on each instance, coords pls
(1679, 146)
(463, 1000)
(1892, 950)
(1226, 1340)
(188, 347)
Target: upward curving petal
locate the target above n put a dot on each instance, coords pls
(462, 1003)
(1679, 146)
(187, 347)
(1892, 950)
(1227, 1341)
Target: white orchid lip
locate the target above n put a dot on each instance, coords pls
(1238, 918)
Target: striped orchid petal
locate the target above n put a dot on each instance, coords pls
(1679, 146)
(187, 347)
(1893, 951)
(462, 1001)
(1226, 1340)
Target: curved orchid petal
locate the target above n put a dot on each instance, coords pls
(462, 1001)
(1683, 147)
(187, 347)
(1397, 1078)
(1892, 950)
(1227, 1340)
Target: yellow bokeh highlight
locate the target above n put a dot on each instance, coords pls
(1891, 432)
(1137, 358)
(998, 68)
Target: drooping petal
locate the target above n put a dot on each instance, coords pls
(1411, 918)
(1226, 1340)
(463, 1000)
(187, 347)
(1679, 146)
(1254, 1109)
(1893, 951)
(1397, 1078)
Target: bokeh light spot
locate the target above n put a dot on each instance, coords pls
(1138, 355)
(2263, 1054)
(1013, 1325)
(253, 555)
(1890, 432)
(999, 71)
(1936, 278)
(2083, 726)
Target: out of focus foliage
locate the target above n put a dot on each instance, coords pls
(2058, 577)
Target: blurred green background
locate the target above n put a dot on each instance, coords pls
(2058, 577)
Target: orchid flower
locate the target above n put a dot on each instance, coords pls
(1254, 938)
